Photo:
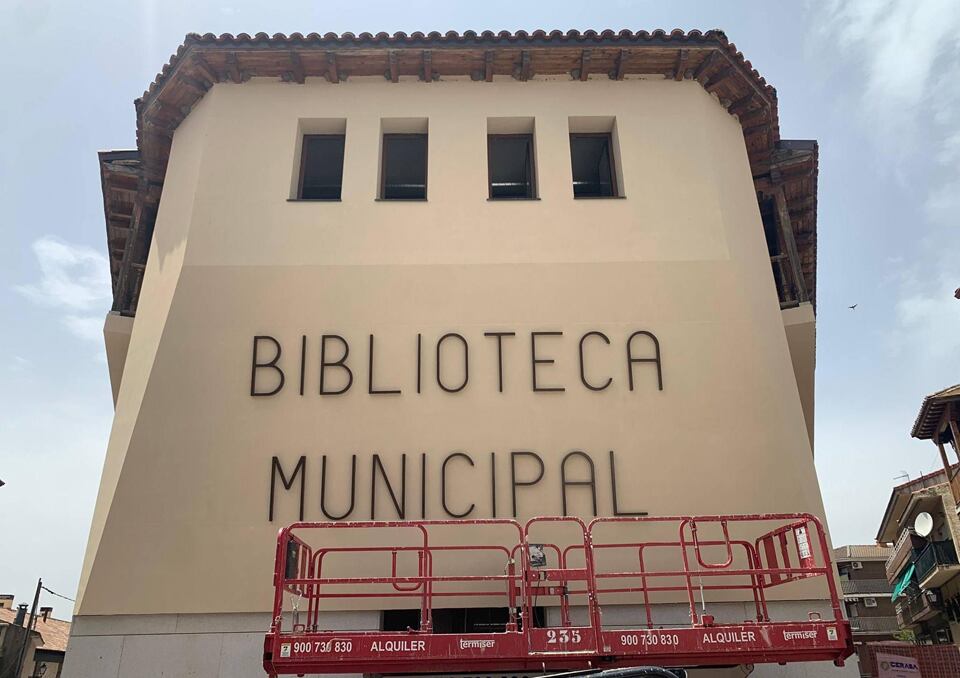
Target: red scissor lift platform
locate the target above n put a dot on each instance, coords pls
(613, 564)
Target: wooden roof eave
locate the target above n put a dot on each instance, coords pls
(203, 61)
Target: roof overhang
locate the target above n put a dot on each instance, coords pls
(202, 61)
(930, 419)
(900, 499)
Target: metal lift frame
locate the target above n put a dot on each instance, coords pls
(294, 647)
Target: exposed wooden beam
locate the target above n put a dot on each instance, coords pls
(524, 71)
(718, 78)
(681, 64)
(233, 68)
(333, 75)
(426, 66)
(165, 110)
(488, 65)
(620, 70)
(394, 72)
(201, 65)
(741, 105)
(199, 86)
(786, 231)
(943, 457)
(296, 69)
(704, 68)
(761, 92)
(584, 65)
(755, 129)
(754, 118)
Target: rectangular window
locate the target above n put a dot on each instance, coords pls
(510, 166)
(404, 170)
(321, 167)
(593, 169)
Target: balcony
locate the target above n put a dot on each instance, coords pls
(787, 281)
(917, 606)
(936, 564)
(874, 625)
(906, 549)
(868, 587)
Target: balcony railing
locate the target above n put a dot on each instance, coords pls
(874, 624)
(906, 549)
(917, 606)
(878, 587)
(936, 553)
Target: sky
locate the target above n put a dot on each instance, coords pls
(875, 82)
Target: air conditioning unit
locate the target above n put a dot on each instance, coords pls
(869, 602)
(856, 565)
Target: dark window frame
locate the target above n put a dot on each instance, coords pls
(381, 195)
(614, 182)
(532, 167)
(303, 165)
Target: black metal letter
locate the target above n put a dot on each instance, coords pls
(500, 336)
(583, 371)
(541, 361)
(401, 505)
(419, 360)
(466, 362)
(303, 360)
(275, 468)
(340, 362)
(522, 483)
(370, 389)
(258, 365)
(443, 485)
(613, 491)
(423, 485)
(631, 360)
(592, 483)
(323, 488)
(493, 483)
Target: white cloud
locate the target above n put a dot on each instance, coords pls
(19, 364)
(903, 46)
(74, 279)
(909, 54)
(930, 323)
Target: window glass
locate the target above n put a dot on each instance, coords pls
(404, 170)
(321, 169)
(592, 161)
(510, 162)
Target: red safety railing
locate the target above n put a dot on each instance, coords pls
(325, 567)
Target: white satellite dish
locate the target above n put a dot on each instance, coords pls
(923, 525)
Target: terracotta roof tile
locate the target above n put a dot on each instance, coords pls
(861, 552)
(54, 632)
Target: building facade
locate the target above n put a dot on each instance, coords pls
(438, 276)
(923, 566)
(46, 641)
(866, 591)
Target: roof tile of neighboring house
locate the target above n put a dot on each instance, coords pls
(861, 552)
(54, 632)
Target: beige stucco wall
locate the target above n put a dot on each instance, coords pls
(800, 325)
(116, 339)
(181, 520)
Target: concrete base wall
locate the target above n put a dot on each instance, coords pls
(231, 645)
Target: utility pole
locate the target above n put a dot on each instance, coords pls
(29, 630)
